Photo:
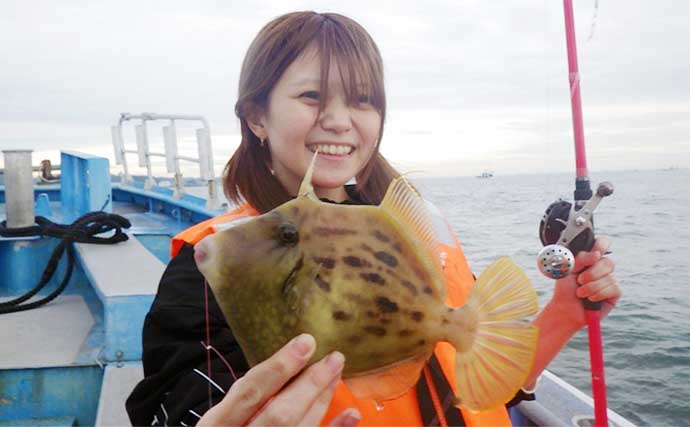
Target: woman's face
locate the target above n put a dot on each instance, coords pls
(345, 135)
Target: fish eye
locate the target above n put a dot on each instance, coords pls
(288, 234)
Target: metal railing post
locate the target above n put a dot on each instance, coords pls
(172, 161)
(119, 147)
(19, 188)
(204, 146)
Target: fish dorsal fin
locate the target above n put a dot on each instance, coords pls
(406, 205)
(306, 189)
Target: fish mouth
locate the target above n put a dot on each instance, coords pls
(333, 149)
(291, 278)
(199, 254)
(202, 253)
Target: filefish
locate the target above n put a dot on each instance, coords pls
(368, 281)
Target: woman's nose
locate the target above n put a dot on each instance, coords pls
(336, 117)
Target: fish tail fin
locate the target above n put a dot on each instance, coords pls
(493, 361)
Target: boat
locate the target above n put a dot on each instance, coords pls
(74, 360)
(486, 174)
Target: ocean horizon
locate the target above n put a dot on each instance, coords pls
(416, 170)
(646, 337)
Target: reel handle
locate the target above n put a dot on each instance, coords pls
(566, 230)
(585, 240)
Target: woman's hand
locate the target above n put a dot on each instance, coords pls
(281, 392)
(564, 315)
(595, 281)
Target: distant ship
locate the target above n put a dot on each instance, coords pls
(486, 174)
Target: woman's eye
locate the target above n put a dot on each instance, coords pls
(364, 99)
(312, 94)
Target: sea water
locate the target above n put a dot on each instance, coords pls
(647, 336)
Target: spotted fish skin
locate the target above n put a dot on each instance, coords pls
(352, 280)
(367, 281)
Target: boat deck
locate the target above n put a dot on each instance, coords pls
(75, 360)
(89, 337)
(53, 335)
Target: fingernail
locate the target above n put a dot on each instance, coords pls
(335, 361)
(303, 345)
(351, 418)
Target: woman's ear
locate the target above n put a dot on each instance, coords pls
(255, 120)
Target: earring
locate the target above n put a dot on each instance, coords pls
(261, 144)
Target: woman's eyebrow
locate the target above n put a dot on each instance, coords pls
(306, 81)
(316, 82)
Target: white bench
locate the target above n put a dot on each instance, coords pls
(118, 383)
(125, 277)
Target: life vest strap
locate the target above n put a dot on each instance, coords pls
(436, 398)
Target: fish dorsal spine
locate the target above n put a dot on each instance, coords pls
(406, 205)
(306, 189)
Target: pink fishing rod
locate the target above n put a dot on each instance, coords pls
(567, 229)
(593, 311)
(575, 99)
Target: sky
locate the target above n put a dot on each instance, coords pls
(472, 85)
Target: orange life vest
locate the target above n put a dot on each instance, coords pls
(403, 411)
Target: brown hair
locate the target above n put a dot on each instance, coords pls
(247, 175)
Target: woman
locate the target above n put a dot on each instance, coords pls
(310, 82)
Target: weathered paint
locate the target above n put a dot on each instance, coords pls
(157, 244)
(124, 319)
(22, 263)
(186, 210)
(56, 394)
(85, 184)
(51, 392)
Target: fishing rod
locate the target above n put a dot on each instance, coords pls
(567, 228)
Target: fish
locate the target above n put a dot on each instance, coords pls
(368, 281)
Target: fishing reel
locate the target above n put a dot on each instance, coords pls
(567, 229)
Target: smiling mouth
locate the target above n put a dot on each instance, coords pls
(331, 149)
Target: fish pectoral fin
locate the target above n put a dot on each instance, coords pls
(389, 382)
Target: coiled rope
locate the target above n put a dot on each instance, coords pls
(83, 230)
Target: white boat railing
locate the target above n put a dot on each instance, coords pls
(204, 159)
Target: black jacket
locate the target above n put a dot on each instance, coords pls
(174, 336)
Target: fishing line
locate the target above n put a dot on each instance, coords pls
(209, 347)
(548, 109)
(594, 20)
(223, 359)
(208, 343)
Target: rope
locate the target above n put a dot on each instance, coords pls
(83, 230)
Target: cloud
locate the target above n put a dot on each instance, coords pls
(480, 80)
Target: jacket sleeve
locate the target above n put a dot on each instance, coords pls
(178, 386)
